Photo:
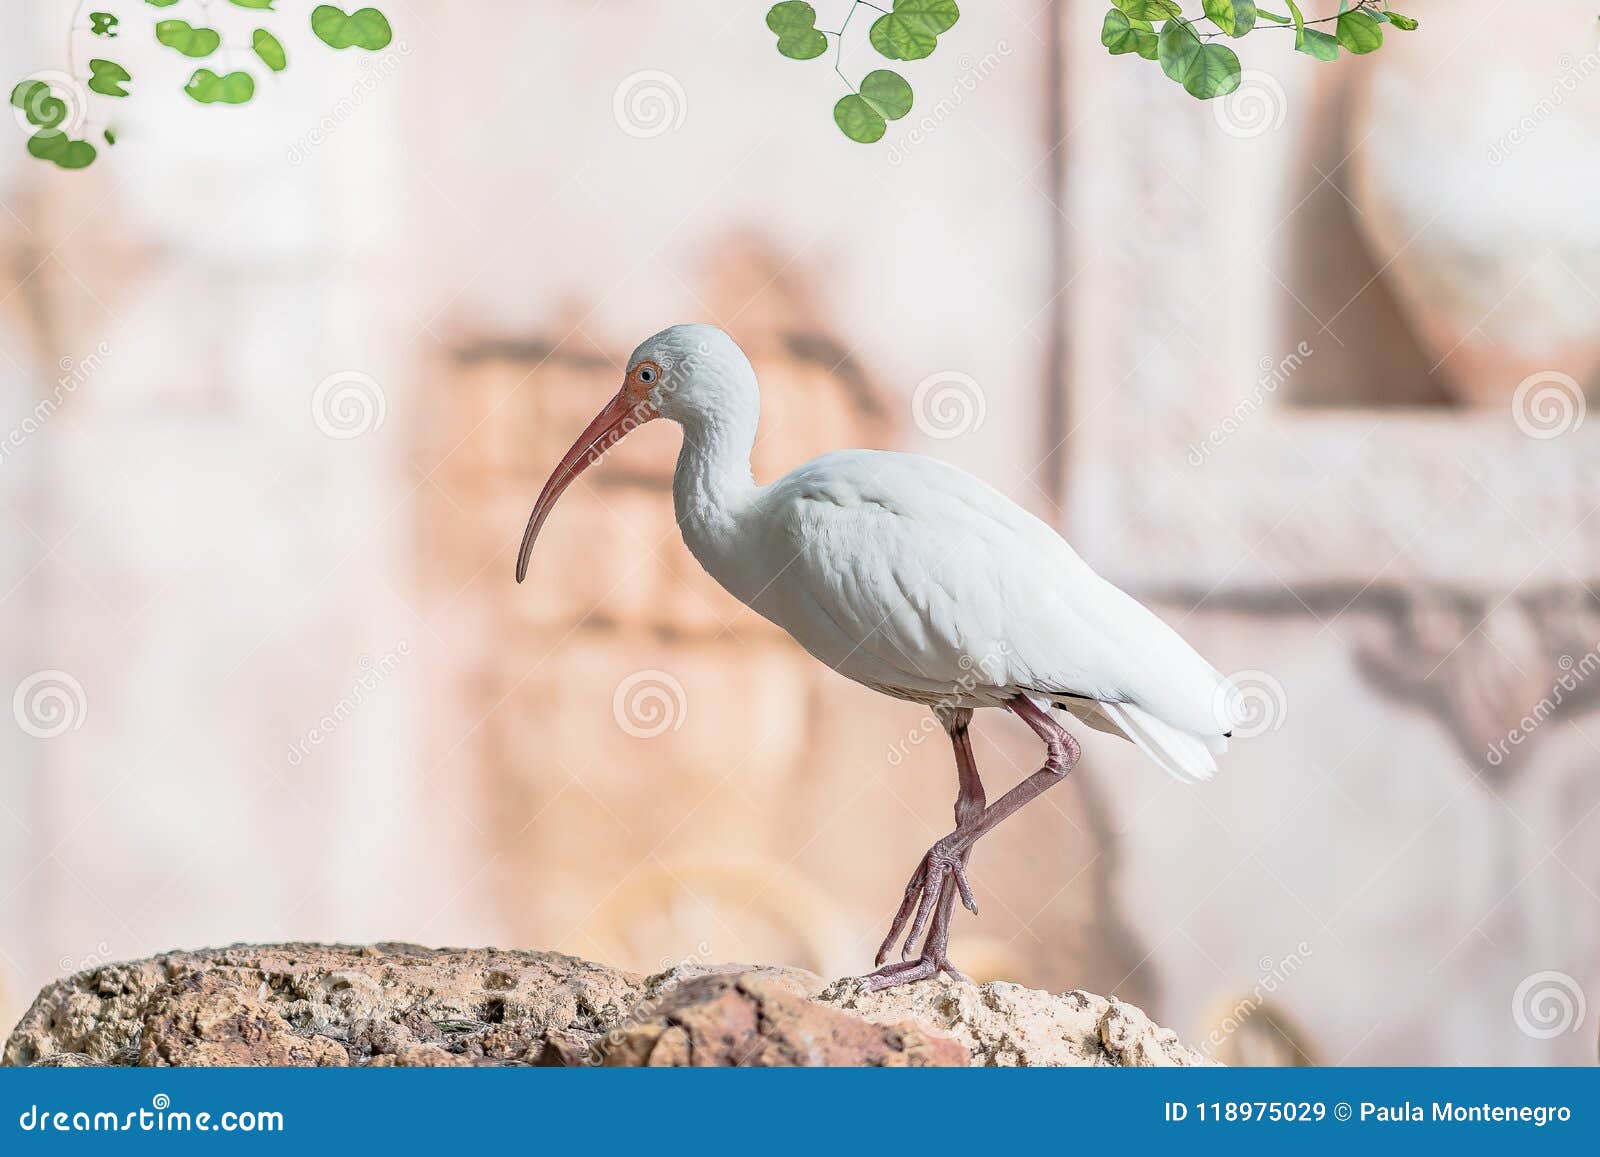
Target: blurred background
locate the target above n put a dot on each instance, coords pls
(1305, 368)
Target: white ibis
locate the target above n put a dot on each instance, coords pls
(915, 579)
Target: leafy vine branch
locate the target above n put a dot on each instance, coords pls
(908, 30)
(1187, 52)
(54, 105)
(1190, 56)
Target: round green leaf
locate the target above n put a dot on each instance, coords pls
(1150, 9)
(858, 120)
(887, 92)
(161, 3)
(1404, 23)
(1359, 32)
(207, 87)
(795, 23)
(912, 29)
(39, 105)
(270, 50)
(1205, 70)
(1122, 33)
(365, 28)
(260, 4)
(77, 155)
(181, 36)
(1177, 46)
(1213, 72)
(107, 78)
(55, 146)
(1235, 17)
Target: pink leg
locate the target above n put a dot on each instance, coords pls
(969, 806)
(942, 873)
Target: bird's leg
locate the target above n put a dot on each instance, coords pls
(969, 806)
(945, 863)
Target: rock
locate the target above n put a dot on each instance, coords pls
(208, 1020)
(386, 1004)
(1006, 1024)
(403, 1005)
(755, 1021)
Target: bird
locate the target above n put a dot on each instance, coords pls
(919, 581)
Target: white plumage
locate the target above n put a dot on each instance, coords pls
(906, 574)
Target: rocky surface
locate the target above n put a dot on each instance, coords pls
(399, 1004)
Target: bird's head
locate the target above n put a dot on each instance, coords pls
(688, 373)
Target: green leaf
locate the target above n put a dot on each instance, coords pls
(1359, 32)
(1122, 34)
(1150, 9)
(1316, 44)
(161, 3)
(1235, 17)
(795, 23)
(365, 28)
(1204, 70)
(887, 92)
(107, 77)
(1404, 23)
(269, 50)
(183, 37)
(1213, 72)
(1176, 48)
(207, 87)
(262, 4)
(1272, 16)
(103, 24)
(858, 120)
(55, 146)
(912, 29)
(111, 136)
(39, 105)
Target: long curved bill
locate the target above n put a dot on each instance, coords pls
(609, 427)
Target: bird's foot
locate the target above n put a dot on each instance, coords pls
(943, 867)
(925, 967)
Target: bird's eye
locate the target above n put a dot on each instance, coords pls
(647, 375)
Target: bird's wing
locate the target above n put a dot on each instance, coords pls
(905, 572)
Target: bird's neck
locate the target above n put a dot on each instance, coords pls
(713, 482)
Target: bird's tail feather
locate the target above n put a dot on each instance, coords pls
(1186, 756)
